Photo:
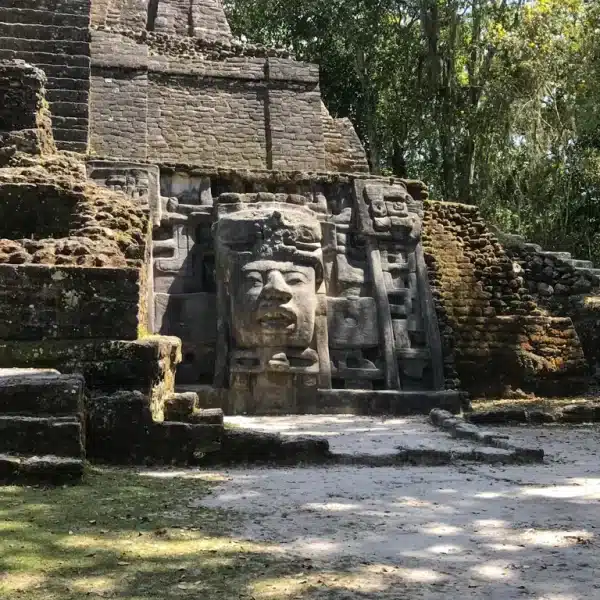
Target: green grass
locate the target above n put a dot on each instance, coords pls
(130, 535)
(532, 403)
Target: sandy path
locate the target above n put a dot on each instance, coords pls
(443, 532)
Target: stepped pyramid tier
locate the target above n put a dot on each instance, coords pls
(185, 226)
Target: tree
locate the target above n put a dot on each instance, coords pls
(493, 102)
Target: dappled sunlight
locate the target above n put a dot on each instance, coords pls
(369, 533)
(445, 549)
(555, 539)
(493, 570)
(411, 502)
(188, 474)
(12, 525)
(171, 543)
(440, 529)
(20, 582)
(581, 489)
(332, 506)
(290, 587)
(95, 585)
(490, 495)
(504, 547)
(372, 579)
(416, 575)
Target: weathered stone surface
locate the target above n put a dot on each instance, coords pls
(460, 429)
(372, 402)
(53, 36)
(121, 429)
(24, 119)
(242, 446)
(494, 335)
(580, 413)
(146, 365)
(61, 436)
(40, 393)
(40, 469)
(42, 302)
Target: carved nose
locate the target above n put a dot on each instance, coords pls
(276, 288)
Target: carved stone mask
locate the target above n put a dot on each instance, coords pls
(271, 263)
(273, 304)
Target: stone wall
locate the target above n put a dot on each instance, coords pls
(119, 13)
(343, 148)
(41, 302)
(245, 112)
(54, 36)
(224, 121)
(204, 19)
(494, 334)
(195, 18)
(25, 123)
(562, 287)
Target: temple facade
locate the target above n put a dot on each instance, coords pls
(185, 227)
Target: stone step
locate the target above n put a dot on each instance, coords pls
(413, 353)
(169, 442)
(78, 96)
(60, 436)
(183, 408)
(580, 264)
(49, 468)
(62, 71)
(68, 7)
(42, 17)
(46, 58)
(70, 123)
(70, 109)
(385, 402)
(70, 135)
(40, 393)
(179, 407)
(532, 247)
(38, 31)
(80, 147)
(66, 83)
(208, 416)
(50, 46)
(560, 255)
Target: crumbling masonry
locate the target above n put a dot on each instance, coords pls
(186, 230)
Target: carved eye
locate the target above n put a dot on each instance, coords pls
(295, 279)
(254, 280)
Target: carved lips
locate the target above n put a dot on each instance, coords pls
(278, 319)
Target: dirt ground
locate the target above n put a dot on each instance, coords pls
(338, 533)
(475, 531)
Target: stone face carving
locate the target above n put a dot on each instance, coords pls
(269, 264)
(323, 288)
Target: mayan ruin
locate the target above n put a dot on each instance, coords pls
(187, 236)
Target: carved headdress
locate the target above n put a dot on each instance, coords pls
(272, 231)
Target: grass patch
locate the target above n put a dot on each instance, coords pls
(131, 535)
(531, 403)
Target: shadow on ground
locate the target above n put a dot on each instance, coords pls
(414, 533)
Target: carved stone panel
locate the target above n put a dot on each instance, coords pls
(285, 294)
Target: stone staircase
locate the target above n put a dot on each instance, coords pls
(566, 257)
(184, 407)
(41, 426)
(54, 36)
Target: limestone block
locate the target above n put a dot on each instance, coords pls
(352, 322)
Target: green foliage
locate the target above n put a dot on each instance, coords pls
(492, 102)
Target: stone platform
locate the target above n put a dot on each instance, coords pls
(371, 441)
(41, 425)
